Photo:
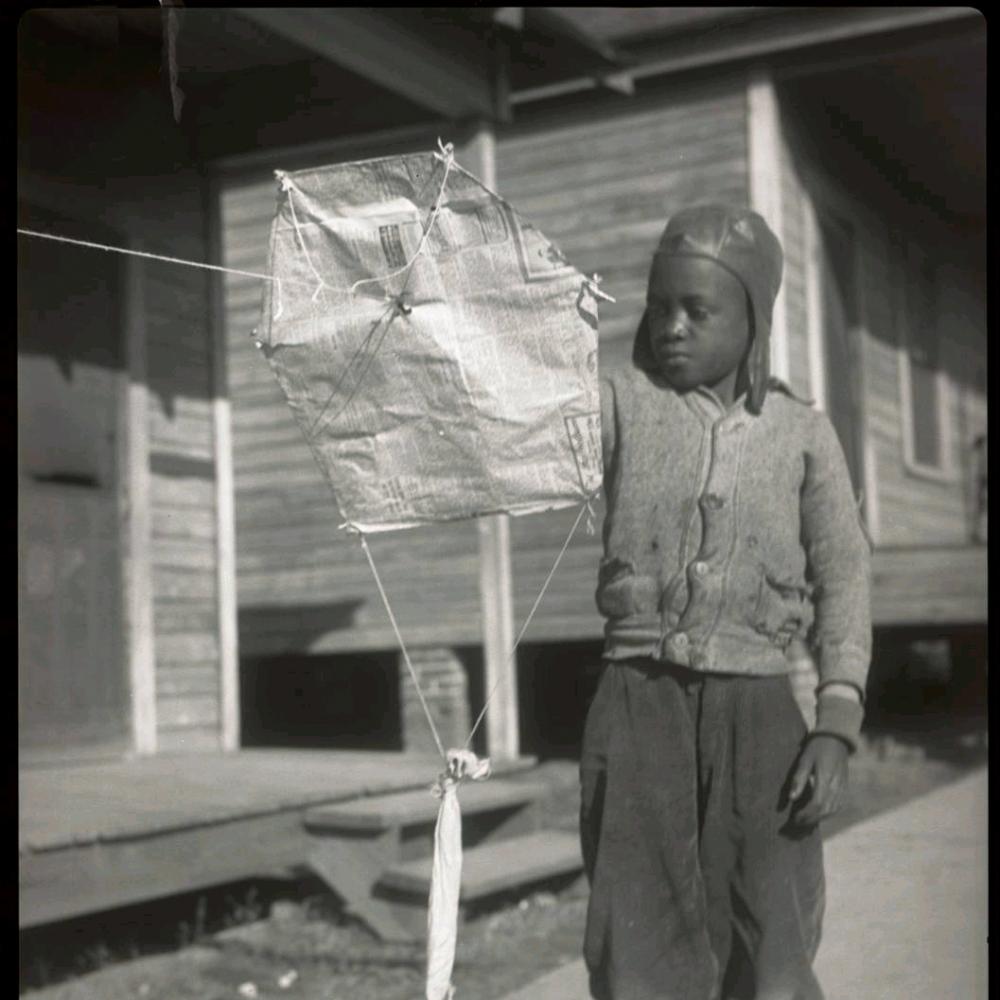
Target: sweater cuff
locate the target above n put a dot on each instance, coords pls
(837, 716)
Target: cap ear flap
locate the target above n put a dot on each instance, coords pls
(758, 360)
(642, 349)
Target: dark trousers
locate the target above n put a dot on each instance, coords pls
(699, 888)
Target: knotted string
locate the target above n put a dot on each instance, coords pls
(445, 154)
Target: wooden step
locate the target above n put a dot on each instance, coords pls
(383, 812)
(495, 867)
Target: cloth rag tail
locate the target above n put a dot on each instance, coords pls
(446, 872)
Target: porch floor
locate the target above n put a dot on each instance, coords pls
(96, 835)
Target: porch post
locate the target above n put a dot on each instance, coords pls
(137, 572)
(764, 169)
(500, 671)
(225, 515)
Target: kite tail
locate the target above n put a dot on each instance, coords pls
(442, 905)
(446, 872)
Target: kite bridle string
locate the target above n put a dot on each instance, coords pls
(584, 509)
(402, 646)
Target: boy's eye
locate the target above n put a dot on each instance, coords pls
(698, 313)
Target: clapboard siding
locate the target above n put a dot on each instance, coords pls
(169, 584)
(602, 189)
(199, 680)
(184, 616)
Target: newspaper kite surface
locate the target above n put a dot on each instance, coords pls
(438, 352)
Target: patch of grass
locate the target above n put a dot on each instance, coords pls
(61, 951)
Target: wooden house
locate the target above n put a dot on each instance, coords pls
(179, 551)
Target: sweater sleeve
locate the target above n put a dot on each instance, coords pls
(839, 567)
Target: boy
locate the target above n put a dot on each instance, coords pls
(730, 530)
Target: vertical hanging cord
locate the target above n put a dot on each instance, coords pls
(584, 509)
(402, 646)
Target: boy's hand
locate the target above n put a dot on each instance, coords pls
(818, 779)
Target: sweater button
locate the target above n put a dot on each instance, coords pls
(680, 640)
(712, 501)
(700, 568)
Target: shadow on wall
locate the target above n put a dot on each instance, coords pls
(101, 159)
(270, 630)
(290, 698)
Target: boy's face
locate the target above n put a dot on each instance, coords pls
(698, 324)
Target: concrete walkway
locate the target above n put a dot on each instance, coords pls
(906, 915)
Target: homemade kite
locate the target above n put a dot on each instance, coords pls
(440, 356)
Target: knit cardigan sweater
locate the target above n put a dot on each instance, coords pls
(728, 534)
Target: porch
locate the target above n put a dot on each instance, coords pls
(98, 835)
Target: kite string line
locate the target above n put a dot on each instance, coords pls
(447, 155)
(584, 509)
(402, 646)
(128, 251)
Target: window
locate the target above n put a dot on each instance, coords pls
(923, 382)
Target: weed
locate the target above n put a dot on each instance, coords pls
(245, 911)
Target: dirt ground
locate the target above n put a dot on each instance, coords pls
(305, 950)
